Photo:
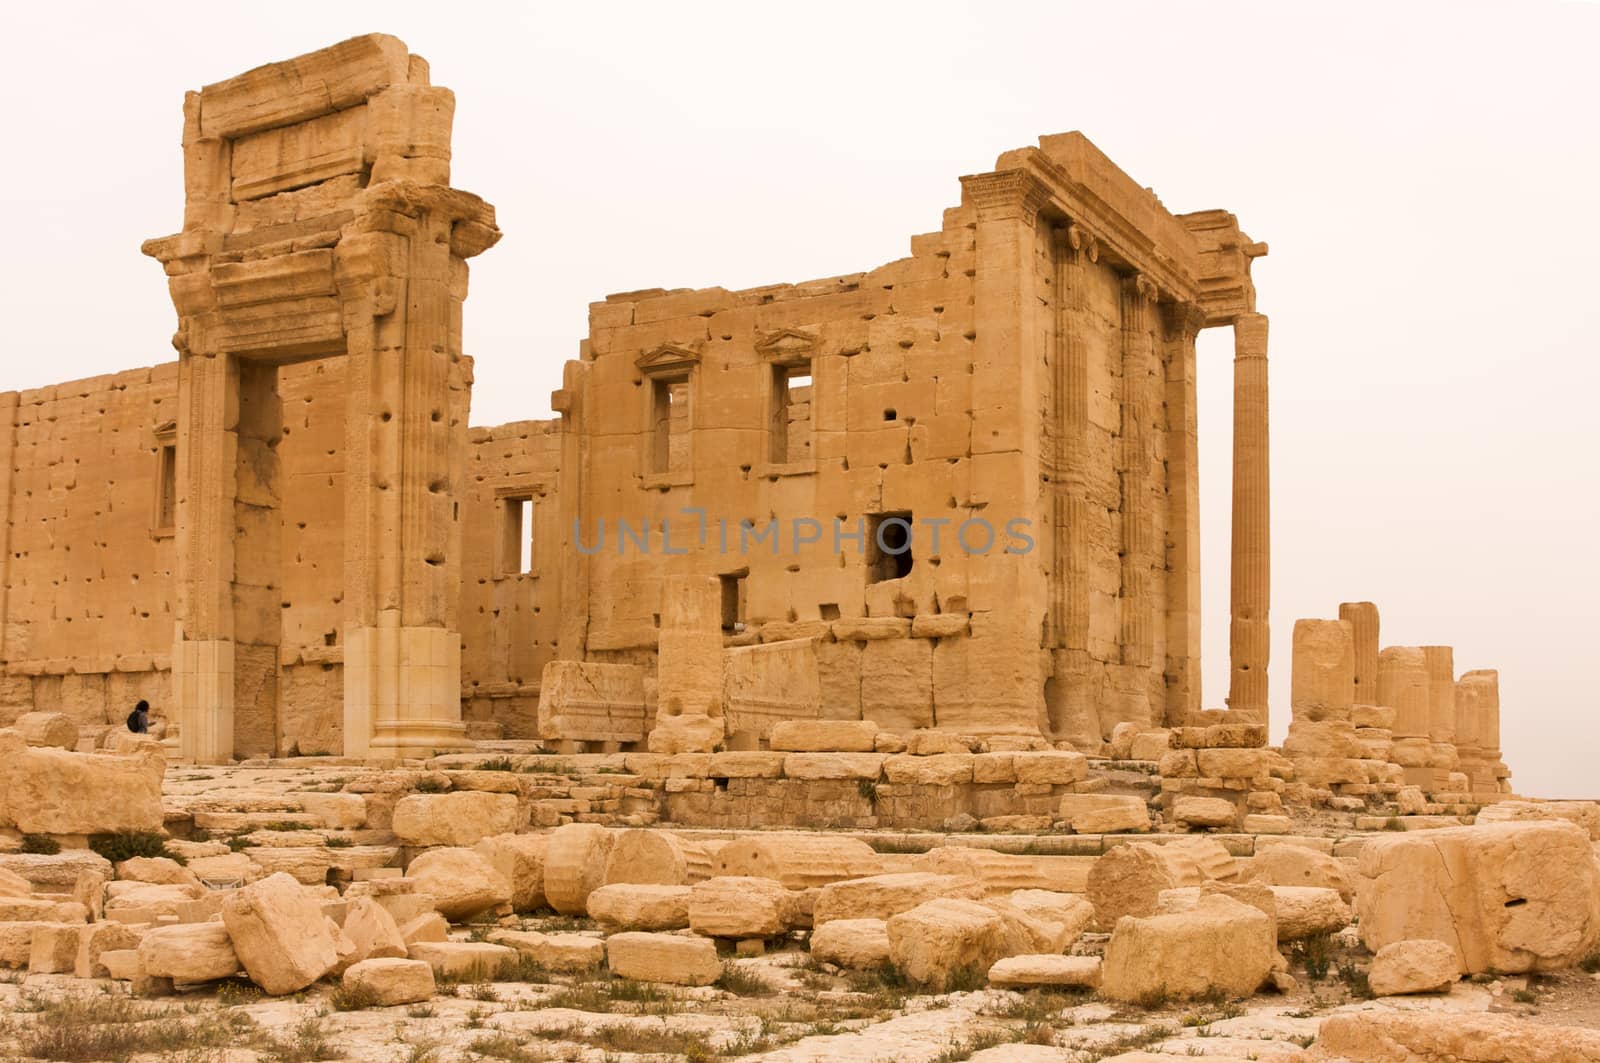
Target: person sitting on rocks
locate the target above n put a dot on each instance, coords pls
(139, 718)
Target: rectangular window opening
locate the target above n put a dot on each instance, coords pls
(167, 488)
(888, 546)
(790, 432)
(732, 602)
(669, 424)
(516, 536)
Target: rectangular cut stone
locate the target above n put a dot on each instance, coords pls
(591, 702)
(767, 684)
(833, 765)
(824, 736)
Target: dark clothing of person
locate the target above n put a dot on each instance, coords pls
(139, 722)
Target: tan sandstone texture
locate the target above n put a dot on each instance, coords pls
(1507, 897)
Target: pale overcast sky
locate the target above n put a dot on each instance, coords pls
(1425, 174)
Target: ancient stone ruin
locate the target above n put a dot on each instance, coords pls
(838, 643)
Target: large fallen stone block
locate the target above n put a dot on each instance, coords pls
(676, 958)
(1305, 911)
(54, 949)
(656, 857)
(1221, 946)
(1509, 897)
(575, 865)
(569, 953)
(640, 906)
(462, 883)
(1414, 967)
(1071, 913)
(853, 943)
(57, 873)
(157, 870)
(279, 934)
(1585, 814)
(883, 896)
(372, 931)
(798, 861)
(54, 791)
(1105, 813)
(1022, 972)
(336, 811)
(945, 941)
(1129, 879)
(188, 952)
(1296, 865)
(390, 981)
(49, 729)
(741, 907)
(98, 939)
(462, 818)
(1387, 1036)
(520, 858)
(465, 961)
(14, 885)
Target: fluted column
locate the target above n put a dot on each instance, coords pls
(1363, 618)
(1181, 325)
(1442, 706)
(1139, 405)
(1249, 639)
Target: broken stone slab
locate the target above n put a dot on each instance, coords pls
(640, 906)
(675, 958)
(460, 819)
(390, 981)
(1021, 972)
(940, 941)
(883, 896)
(520, 859)
(1422, 966)
(1205, 812)
(55, 791)
(571, 953)
(1509, 897)
(47, 729)
(854, 943)
(1219, 946)
(656, 857)
(54, 949)
(98, 939)
(279, 934)
(741, 907)
(465, 961)
(188, 952)
(1295, 865)
(460, 882)
(1384, 1036)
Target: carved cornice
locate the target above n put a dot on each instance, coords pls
(669, 359)
(1006, 195)
(787, 345)
(1182, 321)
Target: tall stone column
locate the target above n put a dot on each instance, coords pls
(1403, 686)
(1363, 618)
(203, 647)
(1181, 325)
(1139, 408)
(1249, 636)
(689, 670)
(1074, 709)
(1008, 593)
(1442, 707)
(1478, 696)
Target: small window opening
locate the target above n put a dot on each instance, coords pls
(516, 536)
(732, 602)
(888, 547)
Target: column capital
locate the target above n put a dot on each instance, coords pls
(1182, 321)
(1006, 195)
(1250, 336)
(1139, 286)
(1082, 241)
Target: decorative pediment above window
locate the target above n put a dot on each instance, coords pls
(787, 346)
(166, 432)
(667, 360)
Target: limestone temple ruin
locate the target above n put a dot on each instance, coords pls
(836, 645)
(957, 492)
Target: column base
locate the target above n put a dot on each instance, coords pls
(402, 692)
(202, 686)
